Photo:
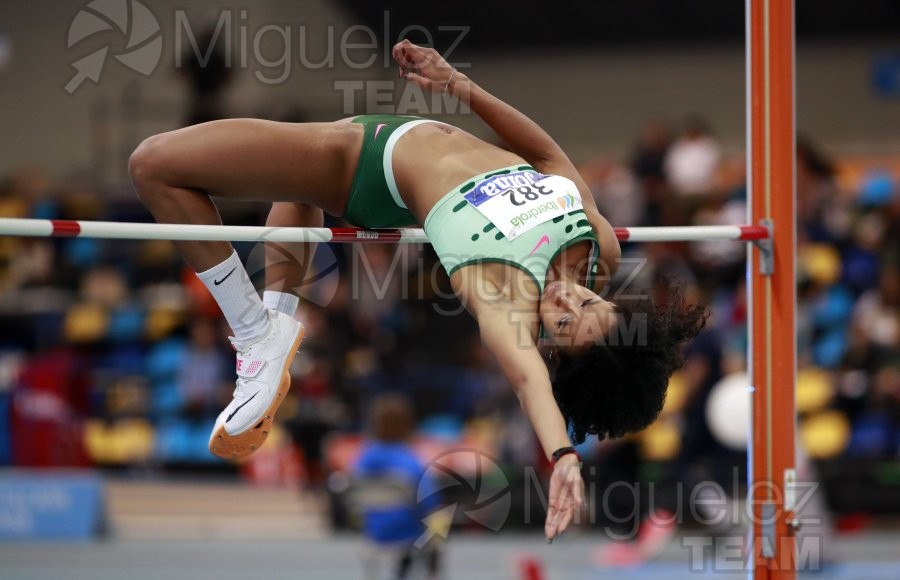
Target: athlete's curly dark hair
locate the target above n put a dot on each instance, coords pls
(619, 385)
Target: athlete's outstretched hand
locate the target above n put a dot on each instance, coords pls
(566, 495)
(423, 66)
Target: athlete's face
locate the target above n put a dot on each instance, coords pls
(575, 317)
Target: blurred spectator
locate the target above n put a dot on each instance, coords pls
(876, 320)
(207, 72)
(317, 411)
(204, 372)
(820, 215)
(864, 251)
(720, 263)
(394, 520)
(876, 431)
(648, 167)
(618, 196)
(25, 262)
(47, 413)
(104, 286)
(692, 160)
(823, 316)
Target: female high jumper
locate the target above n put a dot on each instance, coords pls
(517, 230)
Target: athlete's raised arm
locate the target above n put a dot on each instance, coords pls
(426, 68)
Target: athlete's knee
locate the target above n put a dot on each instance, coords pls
(146, 164)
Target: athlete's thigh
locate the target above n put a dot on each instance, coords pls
(265, 160)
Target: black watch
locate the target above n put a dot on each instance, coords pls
(564, 451)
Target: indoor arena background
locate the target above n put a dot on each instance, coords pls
(114, 360)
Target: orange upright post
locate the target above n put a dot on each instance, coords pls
(773, 336)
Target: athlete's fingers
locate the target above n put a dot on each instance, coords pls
(551, 524)
(553, 502)
(401, 55)
(552, 521)
(579, 493)
(398, 48)
(558, 519)
(419, 55)
(565, 519)
(403, 59)
(554, 507)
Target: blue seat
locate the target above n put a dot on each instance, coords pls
(126, 325)
(125, 359)
(167, 399)
(164, 360)
(173, 440)
(82, 252)
(446, 426)
(871, 435)
(200, 443)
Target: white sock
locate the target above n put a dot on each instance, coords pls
(281, 301)
(230, 285)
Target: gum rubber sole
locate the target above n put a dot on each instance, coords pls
(235, 447)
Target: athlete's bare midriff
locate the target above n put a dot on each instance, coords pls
(433, 158)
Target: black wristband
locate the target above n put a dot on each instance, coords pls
(564, 451)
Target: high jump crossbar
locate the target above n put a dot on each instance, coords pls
(151, 231)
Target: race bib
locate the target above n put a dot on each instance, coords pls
(518, 202)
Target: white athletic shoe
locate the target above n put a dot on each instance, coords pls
(263, 370)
